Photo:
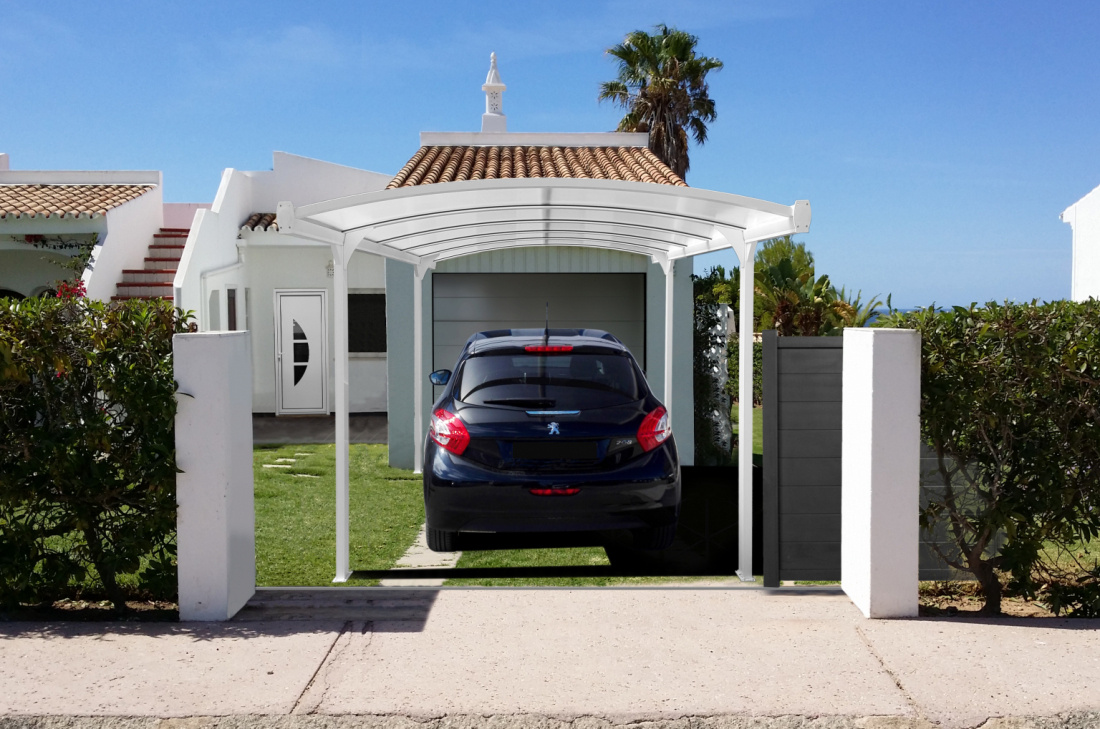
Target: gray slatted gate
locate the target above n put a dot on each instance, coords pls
(803, 379)
(803, 391)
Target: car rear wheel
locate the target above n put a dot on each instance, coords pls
(442, 541)
(656, 537)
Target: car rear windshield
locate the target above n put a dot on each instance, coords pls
(558, 381)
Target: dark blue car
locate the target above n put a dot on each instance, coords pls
(549, 430)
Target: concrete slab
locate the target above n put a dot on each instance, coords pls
(168, 670)
(270, 430)
(418, 556)
(961, 672)
(615, 653)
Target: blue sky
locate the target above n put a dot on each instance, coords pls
(936, 141)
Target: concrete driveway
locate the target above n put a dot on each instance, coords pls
(556, 657)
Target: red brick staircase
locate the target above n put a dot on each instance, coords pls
(155, 280)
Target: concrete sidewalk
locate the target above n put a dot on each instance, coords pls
(558, 657)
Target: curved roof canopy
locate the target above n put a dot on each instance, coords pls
(428, 223)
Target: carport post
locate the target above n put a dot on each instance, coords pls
(340, 324)
(418, 366)
(668, 266)
(744, 415)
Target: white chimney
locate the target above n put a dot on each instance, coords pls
(493, 120)
(3, 162)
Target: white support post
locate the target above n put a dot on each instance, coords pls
(418, 368)
(744, 416)
(669, 268)
(343, 444)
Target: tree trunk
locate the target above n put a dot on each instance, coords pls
(991, 586)
(106, 574)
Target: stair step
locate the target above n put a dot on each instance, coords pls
(170, 235)
(145, 289)
(175, 230)
(167, 250)
(166, 297)
(145, 275)
(161, 264)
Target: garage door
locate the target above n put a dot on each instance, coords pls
(464, 303)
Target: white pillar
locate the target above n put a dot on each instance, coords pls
(880, 471)
(215, 519)
(670, 281)
(343, 444)
(418, 368)
(744, 416)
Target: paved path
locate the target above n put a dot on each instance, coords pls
(419, 557)
(585, 657)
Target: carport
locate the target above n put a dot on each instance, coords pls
(425, 224)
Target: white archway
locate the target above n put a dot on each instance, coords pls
(422, 225)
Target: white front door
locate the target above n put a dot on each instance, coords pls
(301, 352)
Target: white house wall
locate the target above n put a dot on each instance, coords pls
(30, 271)
(305, 181)
(1084, 217)
(305, 267)
(130, 230)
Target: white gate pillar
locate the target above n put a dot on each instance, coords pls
(215, 518)
(880, 471)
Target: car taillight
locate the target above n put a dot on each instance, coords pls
(556, 492)
(549, 348)
(449, 431)
(655, 430)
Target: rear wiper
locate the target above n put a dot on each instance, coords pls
(523, 402)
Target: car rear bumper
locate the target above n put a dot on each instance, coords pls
(465, 497)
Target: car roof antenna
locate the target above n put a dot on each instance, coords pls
(546, 332)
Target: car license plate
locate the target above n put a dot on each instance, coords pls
(580, 450)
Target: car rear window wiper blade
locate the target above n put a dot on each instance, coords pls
(529, 402)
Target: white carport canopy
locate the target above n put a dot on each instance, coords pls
(424, 224)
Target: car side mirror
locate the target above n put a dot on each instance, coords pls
(440, 377)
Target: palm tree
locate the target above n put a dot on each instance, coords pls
(662, 85)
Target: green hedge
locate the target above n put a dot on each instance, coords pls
(1013, 392)
(87, 462)
(733, 364)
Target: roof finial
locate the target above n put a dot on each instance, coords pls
(493, 120)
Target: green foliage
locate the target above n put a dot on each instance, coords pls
(715, 287)
(662, 85)
(793, 303)
(87, 462)
(771, 252)
(1012, 393)
(733, 363)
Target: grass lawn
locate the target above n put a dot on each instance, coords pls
(757, 432)
(296, 508)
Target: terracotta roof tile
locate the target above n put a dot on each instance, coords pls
(260, 221)
(453, 164)
(64, 201)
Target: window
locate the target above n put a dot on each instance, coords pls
(366, 322)
(231, 308)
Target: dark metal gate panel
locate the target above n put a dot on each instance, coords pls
(803, 379)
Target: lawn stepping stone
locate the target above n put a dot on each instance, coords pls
(276, 465)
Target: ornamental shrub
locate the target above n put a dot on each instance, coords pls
(87, 462)
(1012, 393)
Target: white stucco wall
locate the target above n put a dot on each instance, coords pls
(28, 271)
(130, 230)
(1084, 218)
(303, 266)
(218, 255)
(880, 471)
(181, 215)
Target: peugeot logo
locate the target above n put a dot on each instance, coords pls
(553, 429)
